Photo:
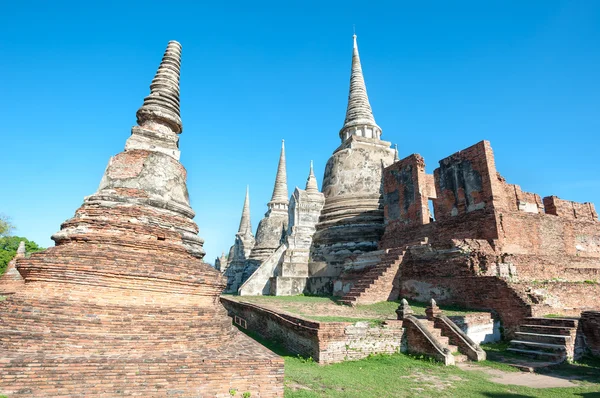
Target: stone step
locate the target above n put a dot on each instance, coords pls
(541, 329)
(452, 348)
(568, 322)
(460, 358)
(534, 346)
(543, 338)
(543, 355)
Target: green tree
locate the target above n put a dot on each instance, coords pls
(6, 225)
(9, 246)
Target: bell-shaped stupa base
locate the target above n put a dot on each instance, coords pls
(124, 304)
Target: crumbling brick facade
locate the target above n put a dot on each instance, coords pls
(590, 325)
(123, 304)
(325, 342)
(489, 244)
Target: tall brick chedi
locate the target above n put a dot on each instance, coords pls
(124, 304)
(351, 222)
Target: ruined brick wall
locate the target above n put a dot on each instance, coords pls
(325, 342)
(514, 199)
(543, 234)
(466, 181)
(590, 325)
(489, 234)
(483, 293)
(570, 210)
(404, 187)
(560, 297)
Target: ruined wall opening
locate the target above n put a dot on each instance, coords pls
(431, 211)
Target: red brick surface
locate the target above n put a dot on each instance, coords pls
(491, 246)
(119, 307)
(590, 325)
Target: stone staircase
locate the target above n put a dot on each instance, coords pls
(377, 284)
(444, 341)
(546, 339)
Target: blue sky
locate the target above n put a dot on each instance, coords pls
(440, 75)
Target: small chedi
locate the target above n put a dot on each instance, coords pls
(124, 304)
(11, 280)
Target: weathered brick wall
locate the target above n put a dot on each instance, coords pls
(466, 181)
(590, 325)
(488, 235)
(542, 234)
(570, 210)
(404, 184)
(325, 342)
(517, 200)
(483, 293)
(565, 298)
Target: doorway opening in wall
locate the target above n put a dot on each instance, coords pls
(431, 212)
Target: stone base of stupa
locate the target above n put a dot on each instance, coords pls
(158, 330)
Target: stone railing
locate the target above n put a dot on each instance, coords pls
(422, 341)
(459, 338)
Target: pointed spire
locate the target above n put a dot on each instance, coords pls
(359, 116)
(245, 223)
(311, 182)
(280, 191)
(162, 105)
(21, 249)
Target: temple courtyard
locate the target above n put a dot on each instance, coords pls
(401, 375)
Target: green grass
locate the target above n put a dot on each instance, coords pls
(402, 375)
(301, 305)
(338, 319)
(389, 307)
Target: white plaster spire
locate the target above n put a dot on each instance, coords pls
(311, 182)
(162, 105)
(359, 116)
(280, 191)
(21, 249)
(245, 223)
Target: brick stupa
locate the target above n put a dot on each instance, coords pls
(124, 304)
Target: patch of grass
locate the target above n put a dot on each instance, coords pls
(401, 375)
(498, 347)
(2, 298)
(341, 319)
(328, 309)
(285, 299)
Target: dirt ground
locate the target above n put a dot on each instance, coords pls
(525, 379)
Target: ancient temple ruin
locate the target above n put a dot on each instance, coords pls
(487, 244)
(351, 222)
(239, 253)
(124, 304)
(342, 230)
(286, 271)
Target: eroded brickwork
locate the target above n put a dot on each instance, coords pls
(590, 325)
(490, 245)
(325, 342)
(123, 304)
